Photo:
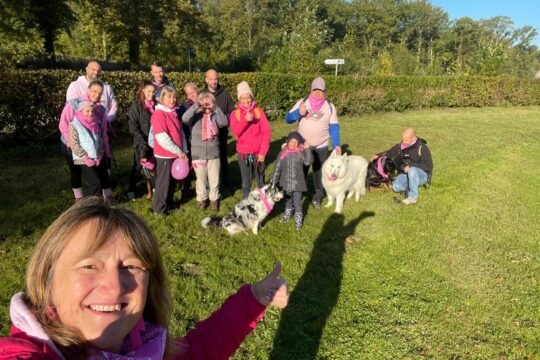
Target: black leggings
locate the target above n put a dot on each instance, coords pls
(248, 171)
(74, 170)
(97, 178)
(319, 157)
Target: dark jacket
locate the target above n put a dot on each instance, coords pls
(416, 155)
(289, 172)
(139, 123)
(203, 150)
(223, 99)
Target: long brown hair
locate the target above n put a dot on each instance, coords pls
(139, 95)
(107, 221)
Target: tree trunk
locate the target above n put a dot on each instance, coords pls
(49, 46)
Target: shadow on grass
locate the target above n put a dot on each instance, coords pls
(316, 293)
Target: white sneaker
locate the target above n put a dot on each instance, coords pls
(409, 201)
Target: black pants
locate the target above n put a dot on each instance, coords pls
(74, 170)
(97, 178)
(319, 157)
(294, 199)
(223, 156)
(165, 185)
(248, 171)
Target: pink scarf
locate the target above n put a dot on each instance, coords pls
(149, 105)
(89, 123)
(287, 151)
(405, 146)
(248, 108)
(209, 128)
(316, 103)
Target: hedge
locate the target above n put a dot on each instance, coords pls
(31, 100)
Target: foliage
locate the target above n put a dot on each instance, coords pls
(453, 277)
(44, 94)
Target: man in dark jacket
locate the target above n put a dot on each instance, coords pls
(415, 164)
(225, 102)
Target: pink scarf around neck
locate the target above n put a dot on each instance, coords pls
(287, 151)
(149, 105)
(209, 127)
(248, 108)
(380, 168)
(89, 123)
(316, 103)
(405, 146)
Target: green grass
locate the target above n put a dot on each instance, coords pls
(455, 276)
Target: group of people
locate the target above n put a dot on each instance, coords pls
(196, 128)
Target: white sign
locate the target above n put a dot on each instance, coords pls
(334, 61)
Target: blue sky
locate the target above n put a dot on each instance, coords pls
(522, 12)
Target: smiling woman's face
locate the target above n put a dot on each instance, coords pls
(102, 294)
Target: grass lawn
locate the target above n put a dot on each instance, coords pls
(455, 276)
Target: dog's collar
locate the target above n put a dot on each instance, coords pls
(380, 168)
(265, 201)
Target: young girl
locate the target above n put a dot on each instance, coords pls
(204, 118)
(147, 164)
(168, 145)
(86, 139)
(252, 131)
(289, 174)
(139, 115)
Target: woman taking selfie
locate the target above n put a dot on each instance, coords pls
(96, 289)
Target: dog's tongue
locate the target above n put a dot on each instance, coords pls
(333, 177)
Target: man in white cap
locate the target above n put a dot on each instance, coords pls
(318, 123)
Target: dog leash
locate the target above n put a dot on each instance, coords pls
(265, 201)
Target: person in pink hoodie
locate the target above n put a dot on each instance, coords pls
(252, 131)
(93, 94)
(96, 289)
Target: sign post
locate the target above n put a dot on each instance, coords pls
(336, 62)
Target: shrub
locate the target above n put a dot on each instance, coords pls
(31, 101)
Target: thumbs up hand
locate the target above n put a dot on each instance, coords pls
(272, 290)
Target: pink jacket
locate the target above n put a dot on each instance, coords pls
(217, 337)
(252, 137)
(79, 88)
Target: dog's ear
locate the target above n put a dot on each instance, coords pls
(344, 157)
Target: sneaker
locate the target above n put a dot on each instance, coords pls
(202, 204)
(409, 201)
(316, 204)
(214, 205)
(131, 196)
(286, 216)
(298, 220)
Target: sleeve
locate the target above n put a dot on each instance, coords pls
(111, 115)
(308, 156)
(426, 160)
(266, 134)
(134, 124)
(277, 172)
(238, 126)
(393, 152)
(187, 116)
(221, 334)
(230, 104)
(335, 134)
(65, 118)
(76, 147)
(72, 92)
(165, 141)
(221, 118)
(294, 114)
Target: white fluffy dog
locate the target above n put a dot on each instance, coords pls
(341, 175)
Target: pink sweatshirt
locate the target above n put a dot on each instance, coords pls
(215, 338)
(79, 88)
(252, 137)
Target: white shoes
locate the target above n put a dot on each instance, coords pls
(408, 201)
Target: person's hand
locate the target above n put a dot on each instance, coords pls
(306, 144)
(373, 158)
(260, 158)
(88, 162)
(198, 107)
(249, 116)
(181, 155)
(97, 161)
(406, 169)
(303, 110)
(338, 150)
(272, 290)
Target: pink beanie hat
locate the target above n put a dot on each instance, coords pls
(243, 88)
